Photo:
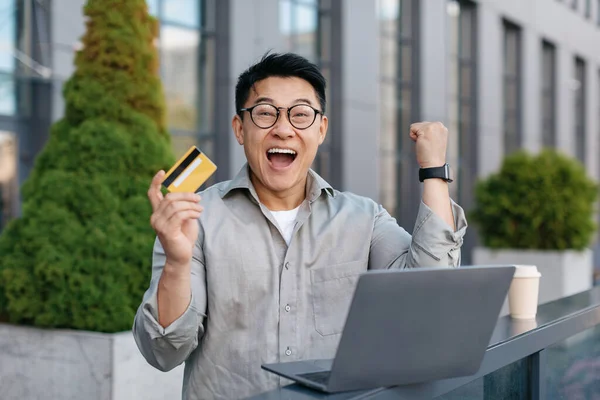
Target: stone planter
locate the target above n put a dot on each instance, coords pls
(64, 364)
(564, 273)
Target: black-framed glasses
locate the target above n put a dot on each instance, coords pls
(301, 116)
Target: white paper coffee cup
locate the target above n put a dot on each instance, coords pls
(519, 326)
(523, 292)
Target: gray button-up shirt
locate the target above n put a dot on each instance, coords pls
(255, 300)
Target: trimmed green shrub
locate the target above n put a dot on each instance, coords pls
(79, 257)
(543, 202)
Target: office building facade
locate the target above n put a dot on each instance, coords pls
(500, 74)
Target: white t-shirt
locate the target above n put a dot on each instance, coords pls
(286, 221)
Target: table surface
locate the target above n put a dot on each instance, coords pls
(584, 306)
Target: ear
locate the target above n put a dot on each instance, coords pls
(237, 125)
(323, 129)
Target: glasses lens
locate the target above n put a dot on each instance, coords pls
(302, 116)
(264, 115)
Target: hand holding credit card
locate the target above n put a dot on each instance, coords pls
(189, 172)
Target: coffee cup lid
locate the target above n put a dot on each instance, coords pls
(526, 271)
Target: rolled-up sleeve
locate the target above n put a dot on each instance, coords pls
(433, 242)
(166, 348)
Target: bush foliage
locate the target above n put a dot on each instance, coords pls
(79, 256)
(543, 202)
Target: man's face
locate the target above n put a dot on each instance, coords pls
(280, 156)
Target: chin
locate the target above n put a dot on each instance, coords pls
(281, 183)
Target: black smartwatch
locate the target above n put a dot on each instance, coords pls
(442, 173)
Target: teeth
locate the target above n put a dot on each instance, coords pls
(283, 151)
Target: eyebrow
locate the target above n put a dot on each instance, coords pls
(270, 100)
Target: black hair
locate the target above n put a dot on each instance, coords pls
(281, 65)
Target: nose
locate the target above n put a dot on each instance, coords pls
(282, 128)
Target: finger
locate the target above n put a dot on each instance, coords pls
(173, 199)
(154, 194)
(179, 218)
(168, 208)
(166, 222)
(418, 125)
(415, 133)
(183, 196)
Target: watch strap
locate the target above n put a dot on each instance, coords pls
(442, 172)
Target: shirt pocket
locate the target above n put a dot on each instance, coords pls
(332, 291)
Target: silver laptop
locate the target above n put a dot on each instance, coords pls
(410, 326)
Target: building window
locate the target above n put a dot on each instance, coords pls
(548, 94)
(188, 54)
(579, 110)
(8, 30)
(588, 9)
(311, 28)
(598, 13)
(298, 21)
(179, 58)
(179, 45)
(399, 101)
(512, 87)
(462, 95)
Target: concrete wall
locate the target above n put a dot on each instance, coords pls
(133, 378)
(360, 114)
(72, 365)
(434, 64)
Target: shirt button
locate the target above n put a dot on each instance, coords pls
(288, 352)
(287, 308)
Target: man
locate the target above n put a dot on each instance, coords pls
(266, 273)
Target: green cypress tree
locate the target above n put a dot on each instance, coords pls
(79, 256)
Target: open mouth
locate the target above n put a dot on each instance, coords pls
(281, 158)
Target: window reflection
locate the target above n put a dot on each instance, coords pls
(7, 35)
(8, 177)
(512, 87)
(398, 99)
(298, 20)
(152, 7)
(184, 12)
(461, 96)
(388, 11)
(548, 94)
(7, 95)
(580, 108)
(207, 75)
(187, 47)
(453, 11)
(306, 27)
(7, 60)
(179, 54)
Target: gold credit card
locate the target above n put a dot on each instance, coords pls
(189, 172)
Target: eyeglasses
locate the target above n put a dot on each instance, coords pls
(301, 116)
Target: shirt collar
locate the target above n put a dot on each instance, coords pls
(315, 184)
